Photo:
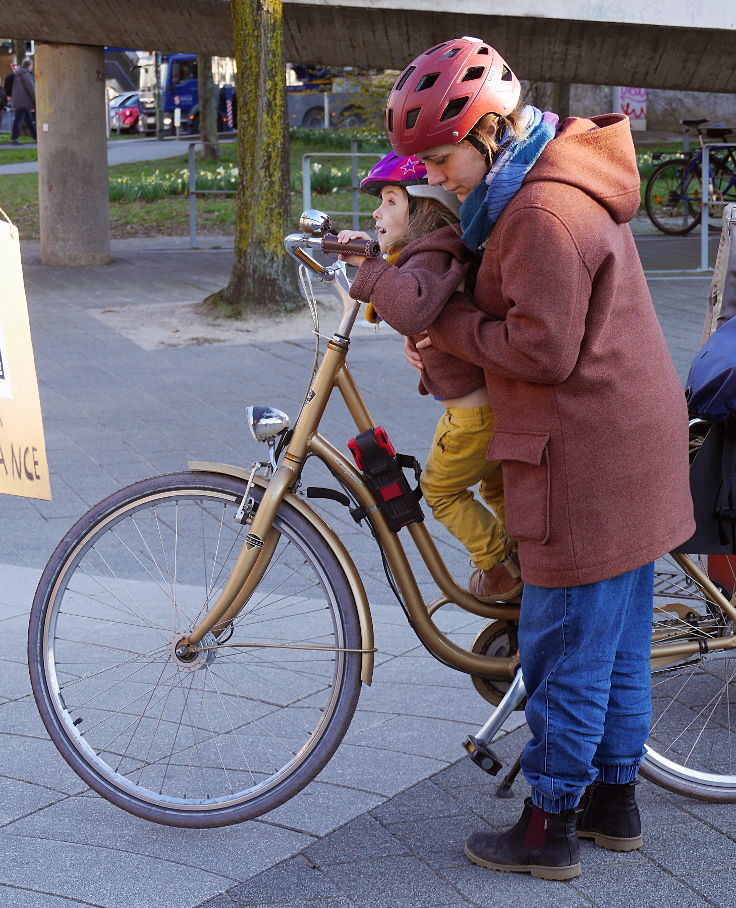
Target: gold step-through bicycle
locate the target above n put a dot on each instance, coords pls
(198, 640)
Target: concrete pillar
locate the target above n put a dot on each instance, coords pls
(72, 155)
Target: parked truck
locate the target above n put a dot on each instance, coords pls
(179, 88)
(308, 95)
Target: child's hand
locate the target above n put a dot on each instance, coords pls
(344, 236)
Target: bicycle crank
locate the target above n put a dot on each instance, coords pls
(500, 639)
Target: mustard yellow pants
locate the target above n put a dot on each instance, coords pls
(457, 462)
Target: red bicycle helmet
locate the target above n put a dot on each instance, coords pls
(443, 93)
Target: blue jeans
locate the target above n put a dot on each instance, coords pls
(585, 658)
(23, 116)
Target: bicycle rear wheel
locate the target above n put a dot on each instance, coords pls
(692, 742)
(672, 197)
(231, 733)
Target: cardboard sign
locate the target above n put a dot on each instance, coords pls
(23, 467)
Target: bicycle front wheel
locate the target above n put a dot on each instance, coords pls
(692, 742)
(252, 718)
(672, 197)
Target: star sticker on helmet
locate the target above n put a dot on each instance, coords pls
(410, 166)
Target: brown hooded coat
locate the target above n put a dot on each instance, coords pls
(409, 295)
(591, 423)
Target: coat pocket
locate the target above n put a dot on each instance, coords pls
(524, 459)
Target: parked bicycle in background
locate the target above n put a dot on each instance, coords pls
(673, 194)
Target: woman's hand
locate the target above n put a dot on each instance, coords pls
(344, 236)
(411, 353)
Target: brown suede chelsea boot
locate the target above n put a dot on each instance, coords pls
(542, 844)
(608, 814)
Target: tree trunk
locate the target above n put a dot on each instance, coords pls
(263, 276)
(207, 109)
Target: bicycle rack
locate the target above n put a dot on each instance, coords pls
(705, 191)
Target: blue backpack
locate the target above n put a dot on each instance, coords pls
(711, 383)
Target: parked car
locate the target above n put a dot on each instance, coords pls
(124, 112)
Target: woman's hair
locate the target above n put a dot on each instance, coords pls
(425, 215)
(488, 136)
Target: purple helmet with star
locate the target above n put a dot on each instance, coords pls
(409, 172)
(396, 170)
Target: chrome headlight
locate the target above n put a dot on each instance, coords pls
(266, 423)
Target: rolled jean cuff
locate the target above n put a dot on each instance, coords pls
(555, 805)
(612, 774)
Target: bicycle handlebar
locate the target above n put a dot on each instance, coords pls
(366, 248)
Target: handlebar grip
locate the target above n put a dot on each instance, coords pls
(367, 248)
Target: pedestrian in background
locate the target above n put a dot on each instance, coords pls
(8, 81)
(24, 100)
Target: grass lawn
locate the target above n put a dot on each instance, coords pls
(169, 216)
(16, 154)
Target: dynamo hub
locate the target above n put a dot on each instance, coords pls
(190, 660)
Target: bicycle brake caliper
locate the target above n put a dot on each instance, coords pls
(248, 506)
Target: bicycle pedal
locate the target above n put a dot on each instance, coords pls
(482, 755)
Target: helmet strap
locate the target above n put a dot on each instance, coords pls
(479, 147)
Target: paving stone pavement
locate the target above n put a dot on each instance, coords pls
(386, 820)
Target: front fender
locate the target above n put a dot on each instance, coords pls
(332, 540)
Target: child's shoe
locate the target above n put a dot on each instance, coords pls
(498, 584)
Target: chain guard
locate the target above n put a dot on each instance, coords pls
(499, 638)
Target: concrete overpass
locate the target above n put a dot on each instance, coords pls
(687, 44)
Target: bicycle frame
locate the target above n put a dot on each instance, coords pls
(306, 441)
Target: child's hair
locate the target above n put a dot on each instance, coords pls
(425, 215)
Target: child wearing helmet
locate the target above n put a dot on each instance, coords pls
(425, 265)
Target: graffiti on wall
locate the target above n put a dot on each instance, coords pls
(634, 105)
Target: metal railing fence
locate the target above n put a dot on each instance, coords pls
(356, 212)
(354, 154)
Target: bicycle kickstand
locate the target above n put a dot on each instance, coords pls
(504, 788)
(478, 745)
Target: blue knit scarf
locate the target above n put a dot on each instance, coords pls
(514, 159)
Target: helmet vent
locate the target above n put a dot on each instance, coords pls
(450, 53)
(433, 49)
(402, 79)
(475, 72)
(390, 119)
(482, 50)
(411, 117)
(507, 75)
(453, 108)
(427, 81)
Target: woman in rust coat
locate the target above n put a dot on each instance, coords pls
(591, 427)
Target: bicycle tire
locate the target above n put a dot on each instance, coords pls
(241, 732)
(692, 742)
(671, 210)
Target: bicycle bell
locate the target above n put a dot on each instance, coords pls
(314, 222)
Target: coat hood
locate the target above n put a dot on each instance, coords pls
(597, 156)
